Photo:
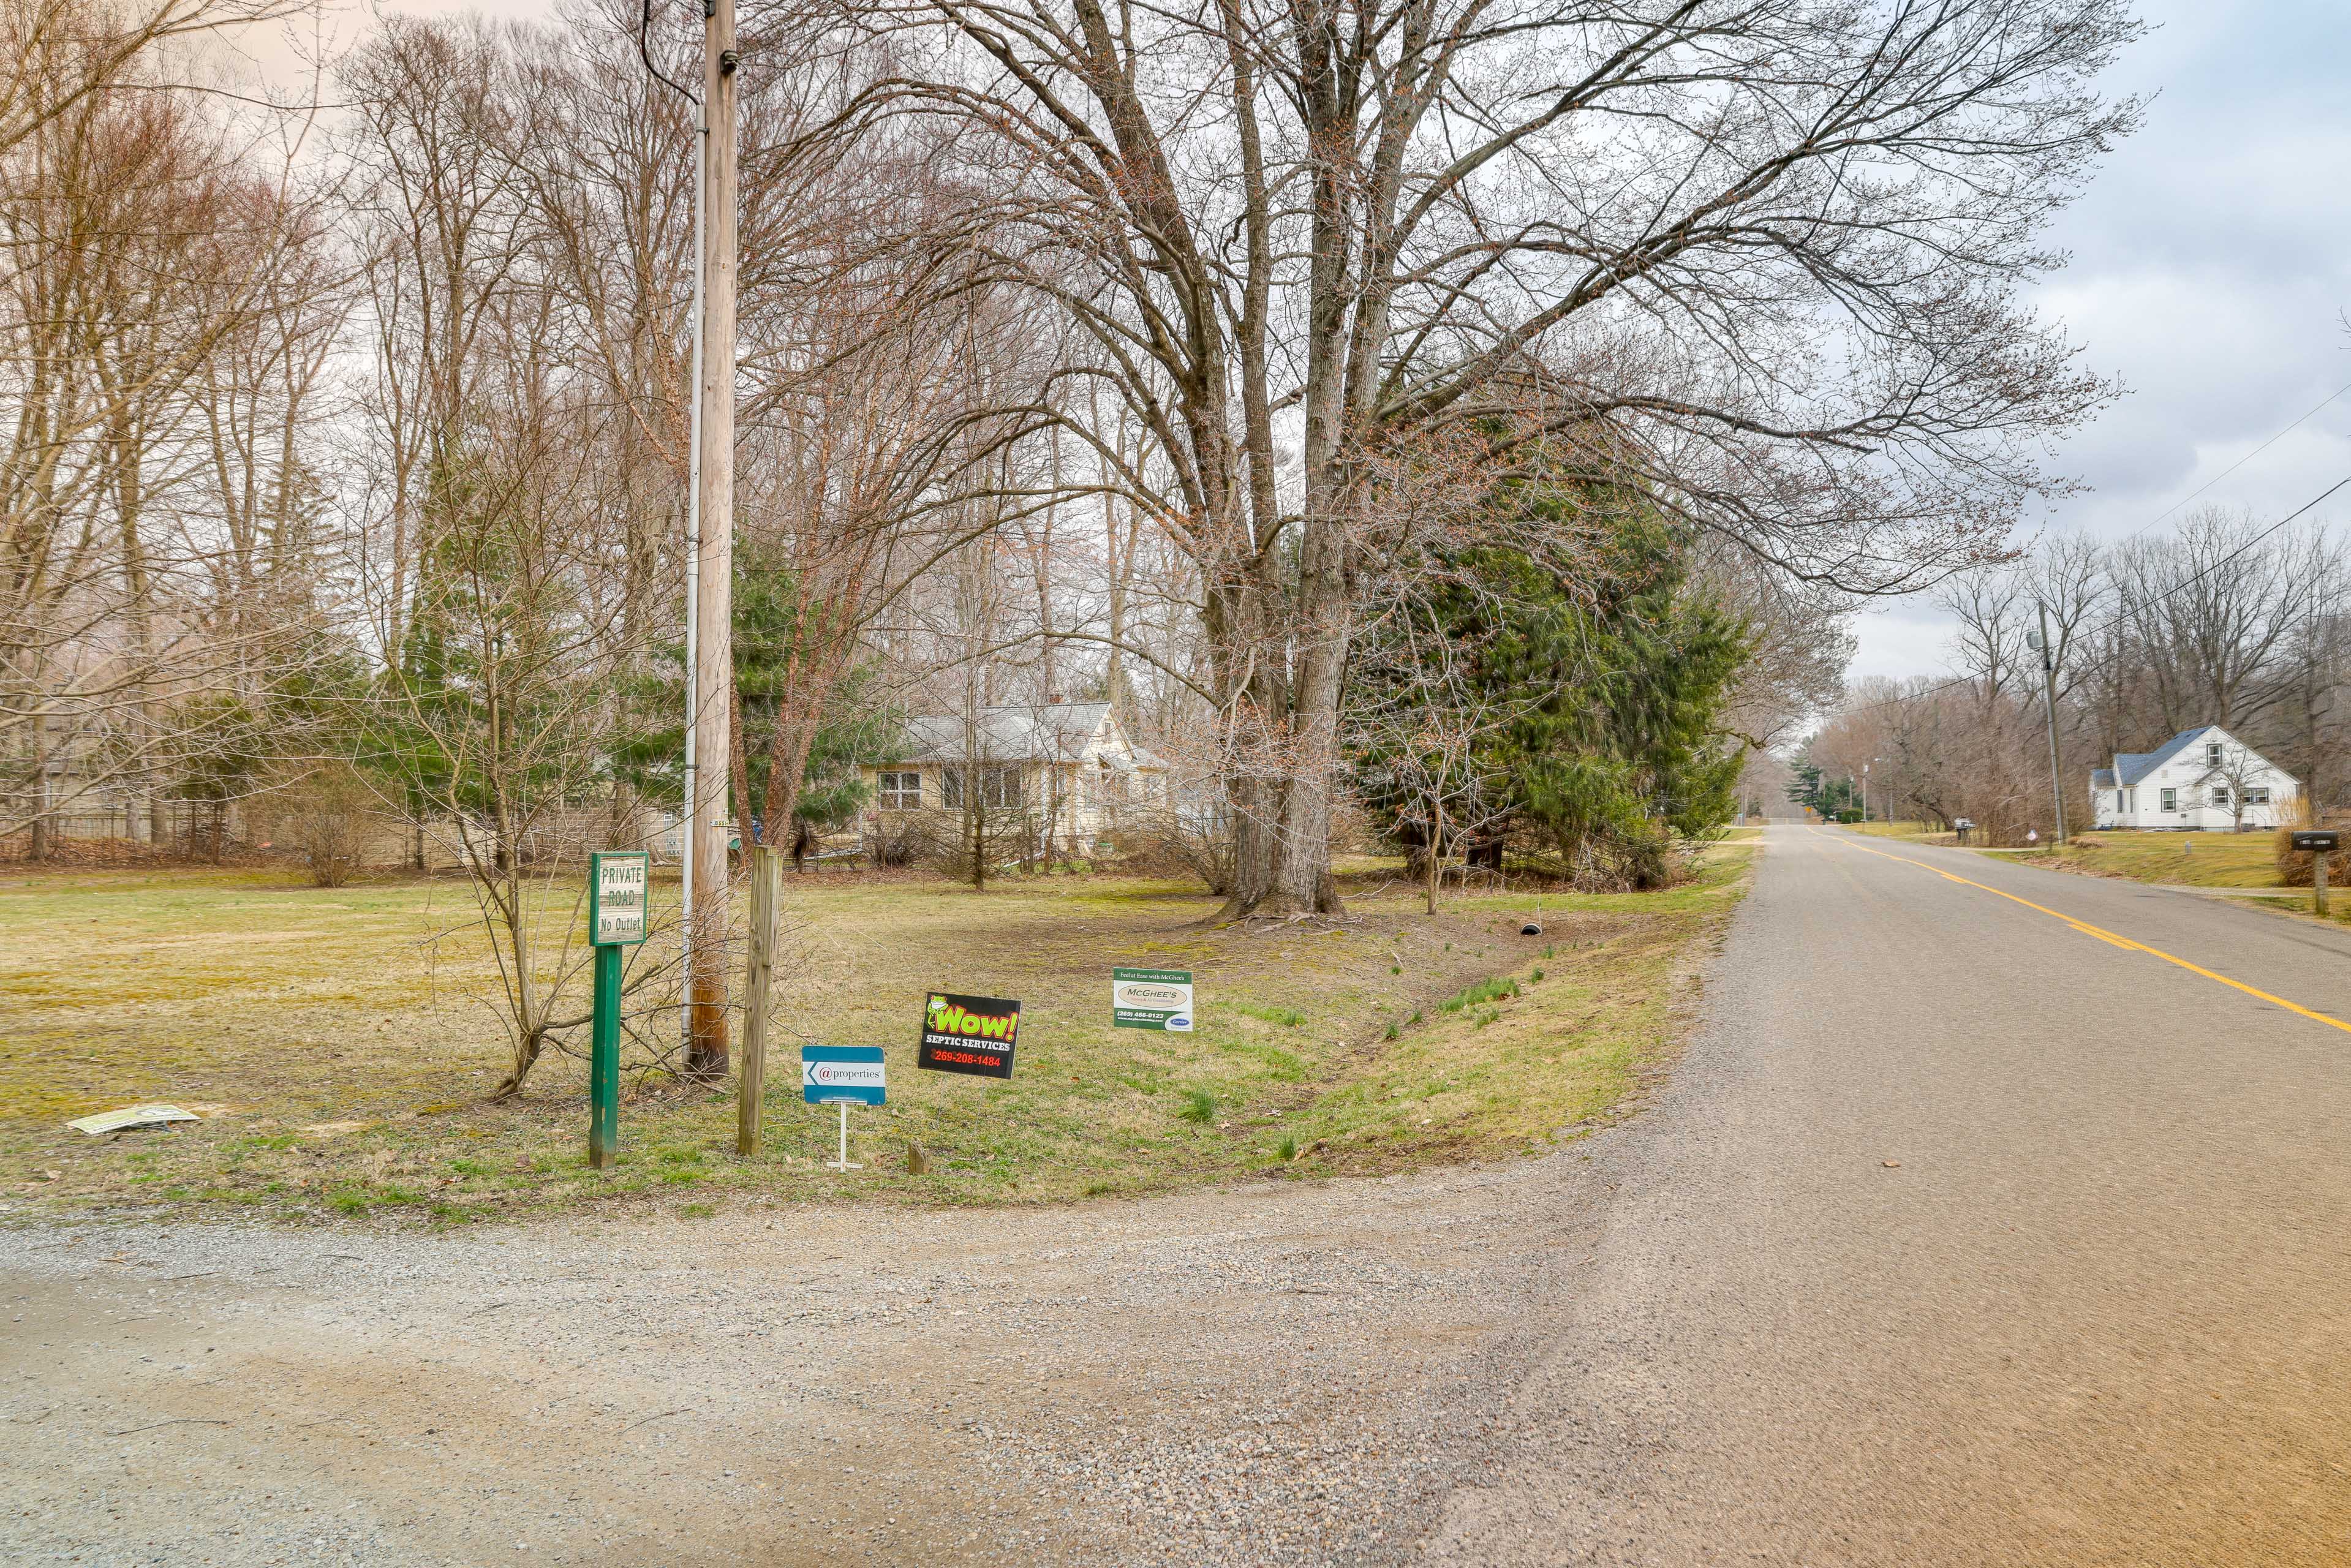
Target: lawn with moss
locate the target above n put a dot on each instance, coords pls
(337, 1045)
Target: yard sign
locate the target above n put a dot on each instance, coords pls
(842, 1075)
(969, 1034)
(1151, 998)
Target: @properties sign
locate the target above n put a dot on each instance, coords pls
(844, 1075)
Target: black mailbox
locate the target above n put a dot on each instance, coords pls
(2328, 841)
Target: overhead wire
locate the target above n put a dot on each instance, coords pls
(2158, 598)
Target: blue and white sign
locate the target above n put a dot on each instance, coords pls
(842, 1075)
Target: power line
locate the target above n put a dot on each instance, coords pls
(2145, 603)
(2247, 457)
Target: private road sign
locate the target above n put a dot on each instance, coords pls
(616, 897)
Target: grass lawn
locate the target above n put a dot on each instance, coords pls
(336, 1043)
(1878, 830)
(2192, 860)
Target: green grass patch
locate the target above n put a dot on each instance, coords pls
(1493, 989)
(2188, 860)
(340, 1049)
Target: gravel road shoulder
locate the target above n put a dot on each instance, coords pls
(1267, 1372)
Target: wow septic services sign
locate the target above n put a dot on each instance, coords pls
(1151, 998)
(969, 1034)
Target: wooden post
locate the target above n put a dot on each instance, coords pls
(713, 665)
(2318, 882)
(767, 894)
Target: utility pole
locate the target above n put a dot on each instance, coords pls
(713, 564)
(2040, 643)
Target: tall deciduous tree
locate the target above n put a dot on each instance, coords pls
(1772, 247)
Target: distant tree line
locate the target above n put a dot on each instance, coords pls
(2228, 618)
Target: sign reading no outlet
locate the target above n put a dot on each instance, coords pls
(842, 1075)
(1151, 998)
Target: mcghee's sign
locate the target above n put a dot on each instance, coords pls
(1151, 998)
(969, 1034)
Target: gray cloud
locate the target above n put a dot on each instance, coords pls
(2211, 266)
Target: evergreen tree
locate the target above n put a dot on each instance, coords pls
(1607, 746)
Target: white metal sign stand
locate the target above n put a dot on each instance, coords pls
(844, 1163)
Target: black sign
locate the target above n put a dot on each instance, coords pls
(2327, 840)
(968, 1034)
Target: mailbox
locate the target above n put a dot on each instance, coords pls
(2312, 842)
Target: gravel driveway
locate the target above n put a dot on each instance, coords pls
(1268, 1372)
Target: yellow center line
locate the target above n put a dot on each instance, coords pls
(2086, 929)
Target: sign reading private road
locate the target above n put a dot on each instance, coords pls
(616, 896)
(969, 1034)
(1151, 998)
(842, 1075)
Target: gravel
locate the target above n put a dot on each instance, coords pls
(1273, 1371)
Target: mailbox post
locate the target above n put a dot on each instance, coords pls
(618, 881)
(2320, 843)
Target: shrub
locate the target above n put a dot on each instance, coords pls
(901, 840)
(329, 818)
(2297, 867)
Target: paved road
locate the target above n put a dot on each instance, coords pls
(2099, 1312)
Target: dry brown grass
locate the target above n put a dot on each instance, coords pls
(336, 1041)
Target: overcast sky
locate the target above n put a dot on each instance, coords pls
(2211, 270)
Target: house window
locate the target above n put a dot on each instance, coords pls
(901, 791)
(2171, 800)
(998, 786)
(2220, 794)
(2118, 803)
(2211, 754)
(2257, 796)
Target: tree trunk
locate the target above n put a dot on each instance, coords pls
(1302, 878)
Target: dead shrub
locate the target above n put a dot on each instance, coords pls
(329, 818)
(2298, 868)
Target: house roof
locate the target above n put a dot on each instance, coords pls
(2133, 766)
(1013, 732)
(2102, 777)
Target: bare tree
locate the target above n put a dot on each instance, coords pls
(1325, 230)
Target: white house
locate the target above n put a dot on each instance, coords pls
(1071, 764)
(2191, 784)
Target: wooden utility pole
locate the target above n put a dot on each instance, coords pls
(2049, 691)
(751, 1082)
(713, 665)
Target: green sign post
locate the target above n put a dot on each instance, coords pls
(618, 881)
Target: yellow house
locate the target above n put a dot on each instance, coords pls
(1069, 764)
